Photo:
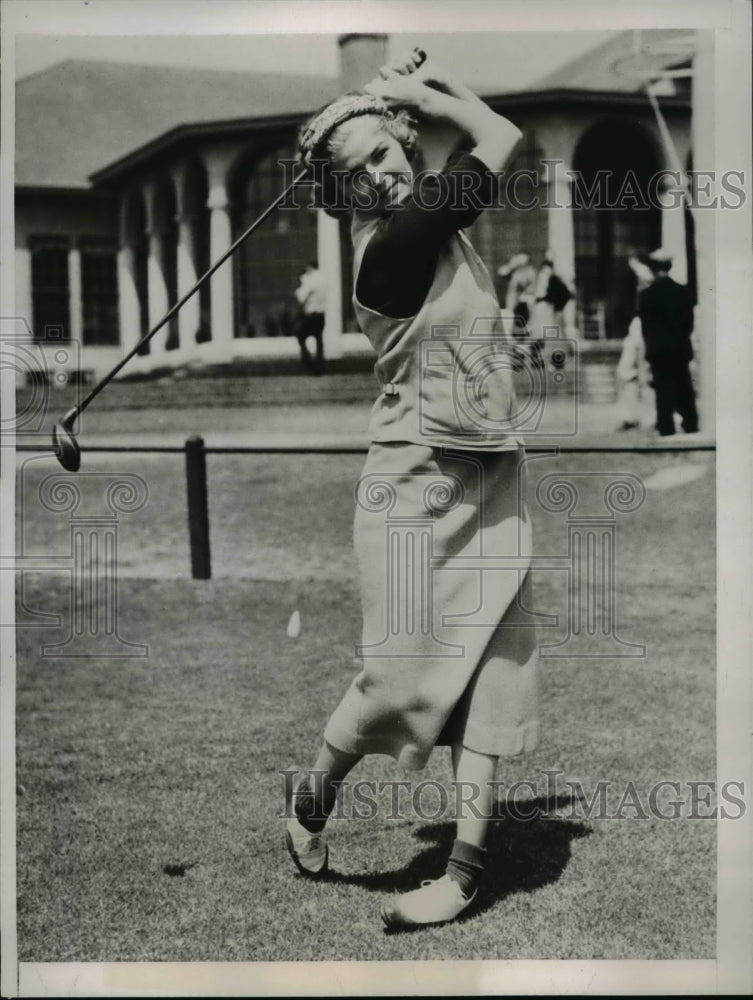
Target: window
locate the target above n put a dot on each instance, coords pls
(268, 266)
(50, 292)
(99, 293)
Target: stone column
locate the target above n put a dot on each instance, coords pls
(128, 299)
(188, 316)
(217, 163)
(562, 232)
(328, 254)
(129, 309)
(220, 238)
(74, 287)
(673, 227)
(157, 289)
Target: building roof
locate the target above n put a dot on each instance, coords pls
(604, 68)
(80, 115)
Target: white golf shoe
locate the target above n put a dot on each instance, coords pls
(436, 902)
(308, 850)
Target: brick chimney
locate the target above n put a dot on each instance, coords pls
(360, 59)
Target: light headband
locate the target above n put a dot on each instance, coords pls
(318, 129)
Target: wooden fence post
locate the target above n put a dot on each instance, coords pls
(198, 508)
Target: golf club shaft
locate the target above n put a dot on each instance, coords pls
(76, 410)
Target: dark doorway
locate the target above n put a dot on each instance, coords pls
(613, 215)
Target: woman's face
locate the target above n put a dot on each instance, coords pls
(378, 175)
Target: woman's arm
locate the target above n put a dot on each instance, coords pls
(439, 79)
(492, 135)
(400, 261)
(428, 72)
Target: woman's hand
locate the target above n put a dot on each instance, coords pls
(404, 64)
(409, 82)
(414, 63)
(416, 66)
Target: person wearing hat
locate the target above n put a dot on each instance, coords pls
(666, 312)
(632, 370)
(551, 297)
(311, 295)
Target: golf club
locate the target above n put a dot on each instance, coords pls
(65, 445)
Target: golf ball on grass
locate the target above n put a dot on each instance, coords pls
(294, 625)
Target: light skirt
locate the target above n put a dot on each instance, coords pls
(449, 646)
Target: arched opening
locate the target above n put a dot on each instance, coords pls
(269, 264)
(196, 212)
(614, 214)
(166, 224)
(137, 239)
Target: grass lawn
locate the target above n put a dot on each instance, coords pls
(150, 793)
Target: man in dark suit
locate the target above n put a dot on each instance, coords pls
(666, 312)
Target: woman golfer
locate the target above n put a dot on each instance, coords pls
(448, 653)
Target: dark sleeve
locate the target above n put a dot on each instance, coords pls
(400, 260)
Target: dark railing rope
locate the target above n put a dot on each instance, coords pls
(360, 449)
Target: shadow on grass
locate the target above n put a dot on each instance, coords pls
(522, 854)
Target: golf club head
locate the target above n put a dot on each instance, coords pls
(66, 446)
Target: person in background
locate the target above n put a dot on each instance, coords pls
(631, 368)
(551, 297)
(557, 293)
(666, 313)
(520, 291)
(311, 296)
